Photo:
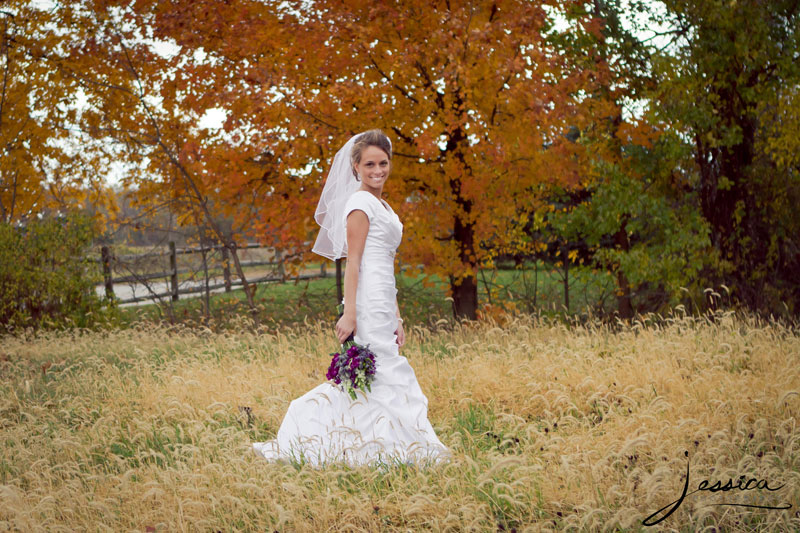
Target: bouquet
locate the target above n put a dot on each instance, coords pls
(354, 368)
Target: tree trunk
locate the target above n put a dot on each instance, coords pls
(624, 304)
(465, 291)
(465, 298)
(728, 205)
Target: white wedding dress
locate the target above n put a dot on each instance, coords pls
(389, 423)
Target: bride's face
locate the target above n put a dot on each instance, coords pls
(374, 167)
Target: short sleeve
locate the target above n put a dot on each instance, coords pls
(359, 200)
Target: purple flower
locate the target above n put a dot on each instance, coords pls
(344, 369)
(333, 370)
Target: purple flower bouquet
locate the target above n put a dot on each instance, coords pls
(354, 368)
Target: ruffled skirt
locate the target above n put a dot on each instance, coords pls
(389, 423)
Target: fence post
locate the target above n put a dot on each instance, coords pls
(173, 265)
(226, 269)
(106, 258)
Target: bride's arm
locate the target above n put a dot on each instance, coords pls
(357, 228)
(401, 334)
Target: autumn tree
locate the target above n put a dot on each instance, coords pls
(632, 211)
(139, 108)
(473, 95)
(730, 85)
(39, 167)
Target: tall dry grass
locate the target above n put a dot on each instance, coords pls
(554, 427)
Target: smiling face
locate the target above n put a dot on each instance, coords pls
(374, 168)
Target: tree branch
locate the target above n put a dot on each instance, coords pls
(428, 84)
(385, 76)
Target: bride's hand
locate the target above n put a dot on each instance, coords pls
(344, 327)
(401, 334)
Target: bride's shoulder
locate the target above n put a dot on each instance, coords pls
(358, 197)
(362, 197)
(361, 193)
(358, 200)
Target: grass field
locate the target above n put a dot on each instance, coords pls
(422, 301)
(553, 427)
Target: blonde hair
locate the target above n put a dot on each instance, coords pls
(369, 138)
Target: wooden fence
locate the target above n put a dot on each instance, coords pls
(109, 263)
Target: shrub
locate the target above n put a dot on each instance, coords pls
(46, 278)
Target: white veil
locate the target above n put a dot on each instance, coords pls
(341, 183)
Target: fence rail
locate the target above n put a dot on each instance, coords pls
(108, 261)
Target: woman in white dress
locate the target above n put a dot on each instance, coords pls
(389, 423)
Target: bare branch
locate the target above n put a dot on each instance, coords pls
(386, 76)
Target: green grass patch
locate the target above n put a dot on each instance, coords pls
(422, 299)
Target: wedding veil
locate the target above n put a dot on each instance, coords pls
(341, 183)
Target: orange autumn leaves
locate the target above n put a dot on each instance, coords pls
(476, 97)
(37, 171)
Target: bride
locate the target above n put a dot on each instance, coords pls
(389, 423)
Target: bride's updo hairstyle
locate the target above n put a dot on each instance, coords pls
(369, 138)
